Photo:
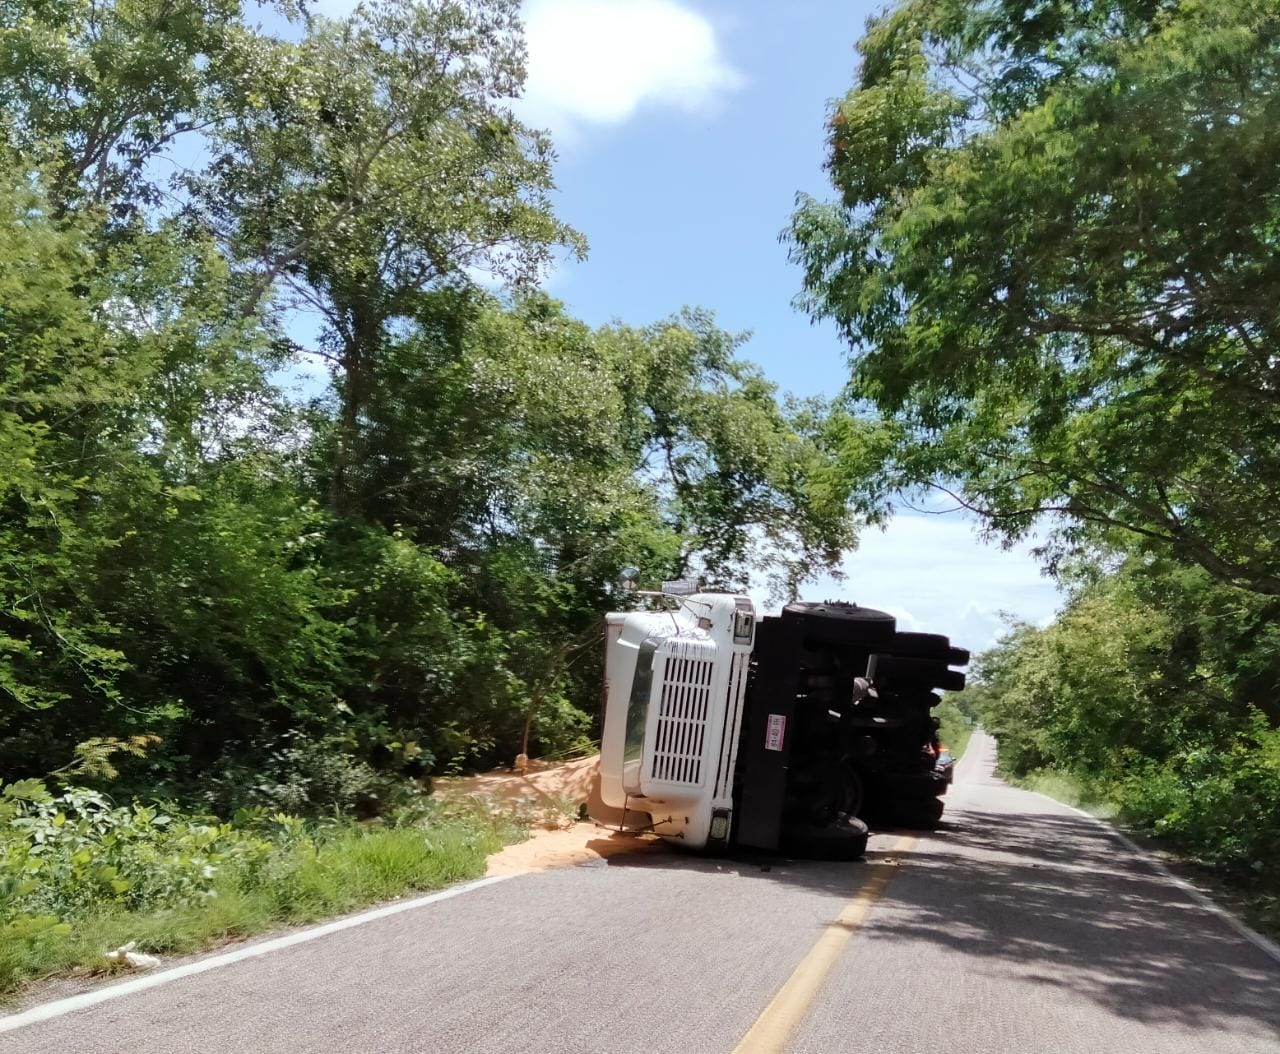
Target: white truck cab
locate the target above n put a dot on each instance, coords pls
(674, 686)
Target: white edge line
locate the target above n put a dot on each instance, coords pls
(59, 1007)
(1255, 938)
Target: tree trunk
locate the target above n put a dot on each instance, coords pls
(348, 430)
(359, 357)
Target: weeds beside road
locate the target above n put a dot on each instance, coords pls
(80, 875)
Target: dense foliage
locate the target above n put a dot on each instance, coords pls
(240, 595)
(1159, 691)
(1054, 253)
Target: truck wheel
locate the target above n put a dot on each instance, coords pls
(838, 622)
(957, 656)
(922, 815)
(902, 674)
(920, 645)
(826, 794)
(846, 839)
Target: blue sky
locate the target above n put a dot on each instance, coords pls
(683, 192)
(684, 129)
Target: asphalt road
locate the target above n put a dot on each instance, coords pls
(1021, 928)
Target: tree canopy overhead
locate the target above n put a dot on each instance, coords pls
(1056, 258)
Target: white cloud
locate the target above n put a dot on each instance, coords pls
(934, 575)
(596, 62)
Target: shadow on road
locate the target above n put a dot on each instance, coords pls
(836, 878)
(1055, 901)
(1046, 899)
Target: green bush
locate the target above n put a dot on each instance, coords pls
(1218, 805)
(79, 874)
(72, 852)
(307, 777)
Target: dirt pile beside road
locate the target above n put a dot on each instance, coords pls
(552, 794)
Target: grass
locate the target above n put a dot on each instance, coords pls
(1066, 788)
(329, 872)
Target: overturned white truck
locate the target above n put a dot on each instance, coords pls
(723, 729)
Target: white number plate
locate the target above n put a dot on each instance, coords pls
(777, 732)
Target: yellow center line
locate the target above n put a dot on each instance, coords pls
(773, 1028)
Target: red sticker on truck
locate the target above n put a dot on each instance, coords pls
(777, 731)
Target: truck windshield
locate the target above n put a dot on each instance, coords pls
(637, 716)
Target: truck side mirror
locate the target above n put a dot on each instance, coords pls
(629, 579)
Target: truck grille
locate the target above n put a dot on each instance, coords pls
(682, 716)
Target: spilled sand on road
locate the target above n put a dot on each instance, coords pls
(553, 791)
(582, 844)
(552, 795)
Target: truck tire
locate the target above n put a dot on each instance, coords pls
(957, 656)
(825, 795)
(901, 675)
(922, 814)
(841, 623)
(920, 645)
(846, 839)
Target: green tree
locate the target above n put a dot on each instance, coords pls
(63, 389)
(744, 480)
(94, 93)
(129, 383)
(535, 456)
(492, 423)
(370, 163)
(1055, 257)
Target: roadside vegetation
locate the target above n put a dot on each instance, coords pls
(1053, 254)
(80, 876)
(1152, 698)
